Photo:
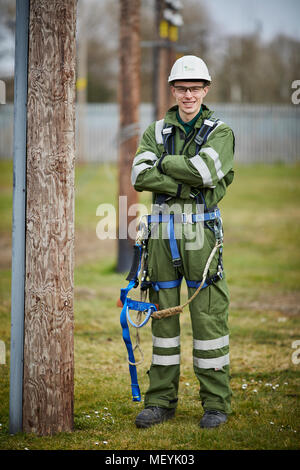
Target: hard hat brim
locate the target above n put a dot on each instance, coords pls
(188, 79)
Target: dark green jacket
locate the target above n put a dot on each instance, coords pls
(211, 171)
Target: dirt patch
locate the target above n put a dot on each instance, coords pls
(287, 304)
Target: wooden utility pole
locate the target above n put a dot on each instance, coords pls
(81, 82)
(167, 20)
(161, 62)
(129, 101)
(48, 384)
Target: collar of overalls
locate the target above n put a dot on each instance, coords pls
(172, 119)
(188, 126)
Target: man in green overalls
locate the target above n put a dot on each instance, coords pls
(187, 177)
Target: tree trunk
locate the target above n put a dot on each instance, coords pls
(48, 384)
(129, 100)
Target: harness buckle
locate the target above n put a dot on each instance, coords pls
(199, 140)
(176, 262)
(142, 233)
(220, 272)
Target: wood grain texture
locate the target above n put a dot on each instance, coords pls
(48, 382)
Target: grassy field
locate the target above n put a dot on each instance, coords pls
(261, 217)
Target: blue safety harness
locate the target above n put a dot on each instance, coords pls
(130, 304)
(168, 135)
(183, 218)
(146, 307)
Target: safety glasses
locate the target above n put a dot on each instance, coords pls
(182, 90)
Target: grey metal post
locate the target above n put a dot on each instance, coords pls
(18, 221)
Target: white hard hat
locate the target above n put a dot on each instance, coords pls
(189, 67)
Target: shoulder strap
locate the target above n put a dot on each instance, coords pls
(164, 134)
(168, 138)
(204, 131)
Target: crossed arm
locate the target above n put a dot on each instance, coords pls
(177, 174)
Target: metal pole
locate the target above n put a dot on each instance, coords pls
(18, 221)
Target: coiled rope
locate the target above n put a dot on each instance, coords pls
(167, 312)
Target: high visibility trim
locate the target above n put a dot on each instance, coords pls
(158, 131)
(216, 158)
(136, 170)
(210, 344)
(159, 360)
(208, 122)
(145, 156)
(202, 169)
(213, 363)
(166, 342)
(215, 128)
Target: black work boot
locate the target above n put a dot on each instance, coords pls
(212, 419)
(153, 415)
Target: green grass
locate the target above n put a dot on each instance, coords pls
(261, 221)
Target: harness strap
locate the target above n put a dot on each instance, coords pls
(181, 218)
(168, 138)
(204, 131)
(124, 316)
(165, 134)
(173, 243)
(168, 134)
(209, 281)
(157, 285)
(135, 389)
(184, 218)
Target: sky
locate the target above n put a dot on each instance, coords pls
(230, 16)
(244, 16)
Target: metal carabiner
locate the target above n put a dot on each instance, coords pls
(218, 229)
(142, 232)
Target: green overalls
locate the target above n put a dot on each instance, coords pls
(180, 175)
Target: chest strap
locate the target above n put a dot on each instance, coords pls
(165, 134)
(168, 135)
